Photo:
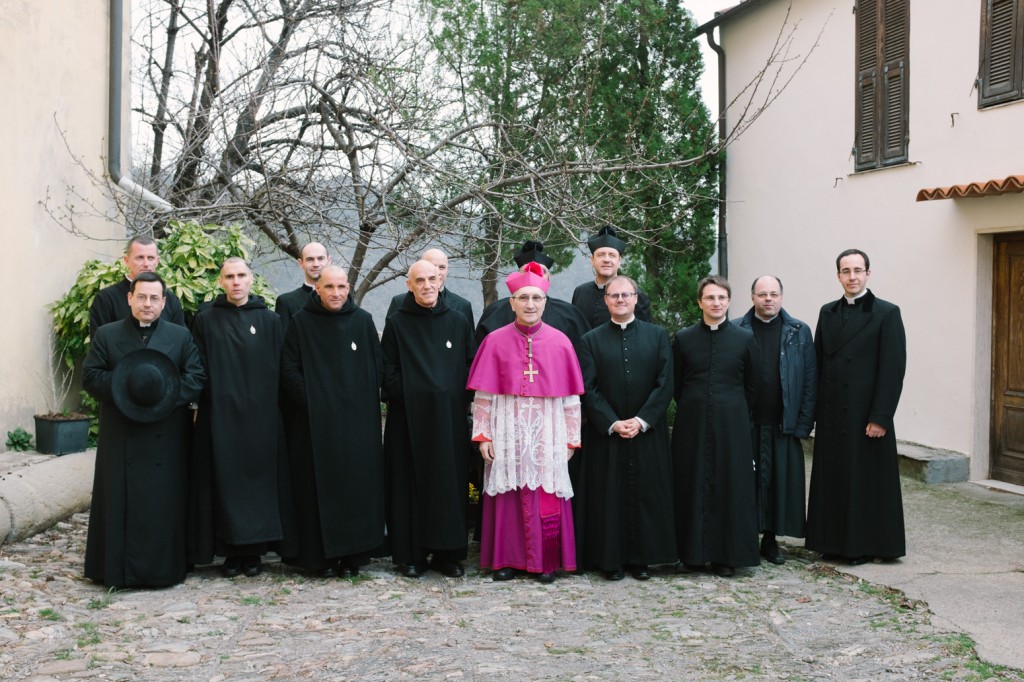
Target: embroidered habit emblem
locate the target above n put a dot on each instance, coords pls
(353, 345)
(252, 329)
(448, 343)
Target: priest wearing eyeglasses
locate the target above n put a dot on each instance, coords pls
(526, 418)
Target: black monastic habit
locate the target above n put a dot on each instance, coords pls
(427, 354)
(239, 466)
(111, 305)
(589, 299)
(140, 489)
(628, 373)
(449, 297)
(331, 376)
(713, 459)
(855, 506)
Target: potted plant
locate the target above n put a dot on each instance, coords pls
(58, 430)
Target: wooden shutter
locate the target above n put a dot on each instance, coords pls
(1001, 47)
(883, 59)
(868, 38)
(894, 100)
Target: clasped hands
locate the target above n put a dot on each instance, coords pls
(627, 428)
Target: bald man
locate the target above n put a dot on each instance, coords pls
(452, 299)
(427, 349)
(312, 260)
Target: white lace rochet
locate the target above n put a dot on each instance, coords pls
(531, 438)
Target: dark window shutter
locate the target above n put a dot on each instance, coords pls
(868, 36)
(895, 100)
(1001, 38)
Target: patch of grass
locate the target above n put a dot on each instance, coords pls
(50, 614)
(63, 655)
(464, 593)
(360, 578)
(252, 600)
(462, 623)
(101, 602)
(184, 620)
(555, 651)
(90, 634)
(895, 598)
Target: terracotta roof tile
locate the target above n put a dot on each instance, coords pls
(1008, 185)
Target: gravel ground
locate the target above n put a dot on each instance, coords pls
(801, 621)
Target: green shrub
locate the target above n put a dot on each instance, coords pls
(19, 440)
(190, 258)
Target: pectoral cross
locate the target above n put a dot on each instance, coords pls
(530, 372)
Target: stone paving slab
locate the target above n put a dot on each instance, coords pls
(801, 621)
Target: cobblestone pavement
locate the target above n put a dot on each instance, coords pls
(800, 621)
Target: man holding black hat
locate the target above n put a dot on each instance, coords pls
(606, 250)
(144, 373)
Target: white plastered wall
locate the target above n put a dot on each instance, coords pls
(794, 202)
(53, 125)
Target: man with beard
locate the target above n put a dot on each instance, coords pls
(627, 371)
(239, 458)
(331, 375)
(140, 490)
(783, 414)
(427, 350)
(312, 260)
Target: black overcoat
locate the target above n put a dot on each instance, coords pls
(331, 376)
(239, 448)
(427, 353)
(855, 506)
(712, 455)
(291, 302)
(628, 373)
(140, 487)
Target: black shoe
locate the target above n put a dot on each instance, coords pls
(330, 572)
(546, 578)
(617, 574)
(858, 560)
(449, 568)
(503, 574)
(252, 566)
(232, 567)
(770, 550)
(413, 570)
(723, 571)
(641, 572)
(684, 568)
(348, 571)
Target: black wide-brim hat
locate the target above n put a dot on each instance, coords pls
(145, 385)
(532, 252)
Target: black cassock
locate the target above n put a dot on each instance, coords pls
(239, 465)
(449, 297)
(331, 376)
(427, 354)
(628, 373)
(589, 299)
(855, 506)
(712, 453)
(291, 302)
(140, 488)
(111, 305)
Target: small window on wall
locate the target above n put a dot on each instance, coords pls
(883, 70)
(1002, 52)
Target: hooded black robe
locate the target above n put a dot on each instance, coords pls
(331, 375)
(427, 354)
(239, 466)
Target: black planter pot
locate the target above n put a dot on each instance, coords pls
(61, 436)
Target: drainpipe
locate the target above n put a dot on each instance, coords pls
(723, 244)
(114, 123)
